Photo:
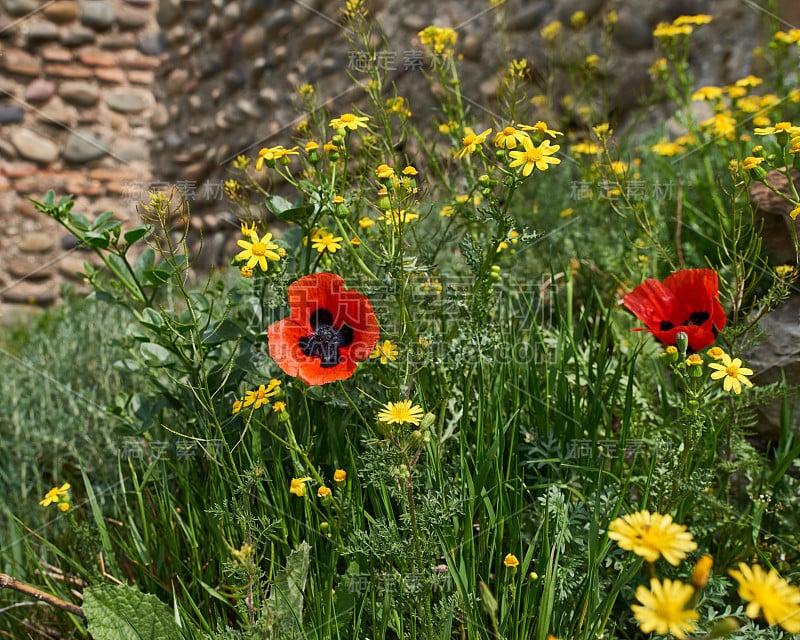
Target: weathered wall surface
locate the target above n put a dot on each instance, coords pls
(109, 98)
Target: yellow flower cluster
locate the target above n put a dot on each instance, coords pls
(440, 40)
(260, 397)
(519, 142)
(58, 496)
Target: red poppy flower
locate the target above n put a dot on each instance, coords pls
(686, 301)
(329, 330)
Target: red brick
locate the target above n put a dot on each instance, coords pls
(105, 174)
(98, 59)
(56, 54)
(141, 77)
(19, 62)
(36, 186)
(146, 63)
(67, 71)
(19, 169)
(85, 188)
(110, 75)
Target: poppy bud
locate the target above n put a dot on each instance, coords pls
(682, 342)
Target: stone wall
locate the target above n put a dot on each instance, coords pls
(108, 98)
(76, 101)
(233, 68)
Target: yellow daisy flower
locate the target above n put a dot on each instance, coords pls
(732, 373)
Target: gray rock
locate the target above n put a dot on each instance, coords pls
(41, 32)
(39, 91)
(632, 32)
(32, 146)
(160, 117)
(279, 19)
(83, 146)
(11, 115)
(29, 269)
(36, 243)
(132, 150)
(169, 12)
(414, 22)
(472, 47)
(129, 100)
(253, 9)
(20, 7)
(773, 212)
(152, 44)
(529, 17)
(131, 19)
(31, 293)
(80, 92)
(97, 14)
(777, 357)
(77, 35)
(567, 8)
(71, 266)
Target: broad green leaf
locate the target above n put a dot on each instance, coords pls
(152, 319)
(101, 219)
(79, 221)
(119, 612)
(96, 240)
(157, 276)
(136, 234)
(155, 355)
(147, 259)
(277, 204)
(222, 331)
(119, 266)
(284, 607)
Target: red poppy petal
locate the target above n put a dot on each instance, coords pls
(697, 290)
(651, 302)
(309, 293)
(347, 307)
(312, 373)
(284, 344)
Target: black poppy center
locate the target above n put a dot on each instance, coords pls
(697, 318)
(326, 340)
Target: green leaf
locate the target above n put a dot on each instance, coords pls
(285, 210)
(222, 331)
(277, 204)
(96, 240)
(79, 221)
(119, 266)
(155, 355)
(152, 319)
(147, 260)
(136, 234)
(101, 219)
(119, 612)
(157, 277)
(284, 607)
